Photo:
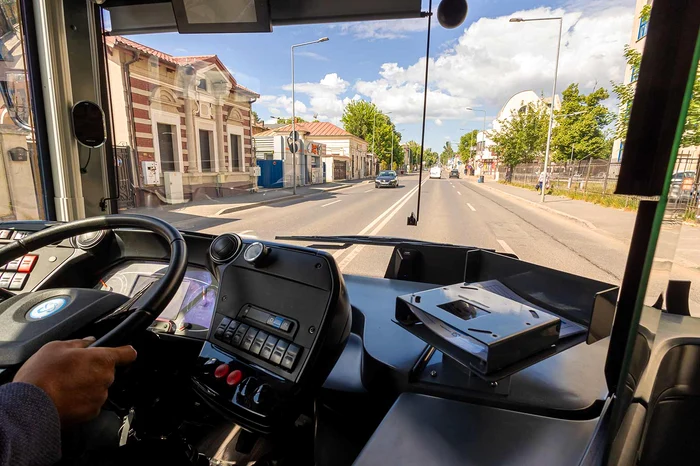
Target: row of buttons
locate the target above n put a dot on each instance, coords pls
(23, 264)
(13, 234)
(268, 347)
(13, 281)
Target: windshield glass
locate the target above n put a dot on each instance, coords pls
(387, 173)
(285, 133)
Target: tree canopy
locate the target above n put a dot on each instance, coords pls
(581, 125)
(288, 121)
(359, 119)
(255, 117)
(466, 142)
(523, 136)
(447, 153)
(430, 157)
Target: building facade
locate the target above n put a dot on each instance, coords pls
(183, 124)
(345, 155)
(638, 37)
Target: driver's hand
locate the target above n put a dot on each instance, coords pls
(74, 376)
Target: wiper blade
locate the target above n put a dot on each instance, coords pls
(349, 240)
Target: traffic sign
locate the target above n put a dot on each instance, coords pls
(293, 145)
(294, 135)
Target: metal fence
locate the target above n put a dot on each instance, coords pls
(599, 178)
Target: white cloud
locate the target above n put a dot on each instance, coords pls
(281, 106)
(494, 59)
(385, 29)
(325, 101)
(438, 122)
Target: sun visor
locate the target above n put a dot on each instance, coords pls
(231, 16)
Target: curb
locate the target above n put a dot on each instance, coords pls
(583, 222)
(252, 205)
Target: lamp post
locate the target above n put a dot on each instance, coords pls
(294, 118)
(483, 131)
(554, 91)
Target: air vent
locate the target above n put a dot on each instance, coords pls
(224, 248)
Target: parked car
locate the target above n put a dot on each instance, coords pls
(386, 179)
(454, 173)
(436, 172)
(682, 186)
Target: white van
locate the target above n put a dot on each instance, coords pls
(436, 172)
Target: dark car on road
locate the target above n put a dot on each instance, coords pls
(454, 173)
(386, 179)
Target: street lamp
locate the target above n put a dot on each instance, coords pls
(554, 90)
(483, 132)
(294, 126)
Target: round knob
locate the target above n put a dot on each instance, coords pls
(234, 377)
(255, 252)
(224, 248)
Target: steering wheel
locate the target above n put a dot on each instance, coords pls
(63, 311)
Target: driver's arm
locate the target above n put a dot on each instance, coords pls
(62, 384)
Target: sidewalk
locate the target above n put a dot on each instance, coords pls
(219, 206)
(614, 223)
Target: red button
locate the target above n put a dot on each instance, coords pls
(234, 377)
(221, 371)
(27, 264)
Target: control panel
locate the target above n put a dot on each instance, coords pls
(281, 320)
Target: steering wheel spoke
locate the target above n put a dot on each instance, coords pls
(35, 318)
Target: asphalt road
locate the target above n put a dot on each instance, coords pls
(452, 211)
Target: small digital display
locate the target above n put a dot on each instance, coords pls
(194, 301)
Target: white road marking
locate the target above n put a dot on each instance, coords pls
(369, 190)
(471, 207)
(459, 193)
(384, 218)
(505, 246)
(331, 203)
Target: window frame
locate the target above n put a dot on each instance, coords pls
(167, 118)
(643, 28)
(207, 125)
(236, 130)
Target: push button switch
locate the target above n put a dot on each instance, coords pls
(278, 352)
(230, 331)
(27, 264)
(221, 371)
(240, 333)
(18, 281)
(259, 342)
(6, 279)
(12, 266)
(222, 328)
(249, 338)
(290, 357)
(268, 347)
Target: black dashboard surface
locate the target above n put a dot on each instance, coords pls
(420, 430)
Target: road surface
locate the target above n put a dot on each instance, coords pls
(452, 211)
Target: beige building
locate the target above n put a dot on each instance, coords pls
(184, 125)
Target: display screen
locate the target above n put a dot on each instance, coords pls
(192, 304)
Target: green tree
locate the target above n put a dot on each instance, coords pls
(625, 93)
(414, 150)
(288, 121)
(359, 118)
(522, 137)
(466, 142)
(447, 153)
(255, 117)
(430, 157)
(691, 130)
(581, 125)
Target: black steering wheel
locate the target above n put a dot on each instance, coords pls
(82, 306)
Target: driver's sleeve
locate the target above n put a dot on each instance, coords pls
(30, 430)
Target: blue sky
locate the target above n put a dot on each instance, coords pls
(479, 64)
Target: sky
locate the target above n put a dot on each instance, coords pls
(479, 64)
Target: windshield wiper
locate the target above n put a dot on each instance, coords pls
(349, 240)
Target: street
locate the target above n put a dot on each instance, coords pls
(454, 211)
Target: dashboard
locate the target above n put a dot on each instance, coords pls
(191, 310)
